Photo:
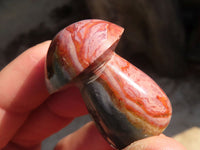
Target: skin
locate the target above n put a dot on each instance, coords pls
(28, 114)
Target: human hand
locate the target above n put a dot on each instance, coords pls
(28, 114)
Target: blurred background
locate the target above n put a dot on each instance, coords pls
(162, 38)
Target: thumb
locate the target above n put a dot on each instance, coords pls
(160, 142)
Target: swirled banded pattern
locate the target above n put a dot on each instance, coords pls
(136, 95)
(80, 44)
(125, 103)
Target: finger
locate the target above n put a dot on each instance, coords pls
(22, 81)
(86, 138)
(22, 89)
(56, 113)
(13, 146)
(156, 143)
(52, 115)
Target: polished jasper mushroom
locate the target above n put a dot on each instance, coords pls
(125, 103)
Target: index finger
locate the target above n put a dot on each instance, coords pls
(22, 81)
(22, 89)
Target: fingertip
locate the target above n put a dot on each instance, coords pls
(160, 142)
(86, 138)
(67, 103)
(43, 46)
